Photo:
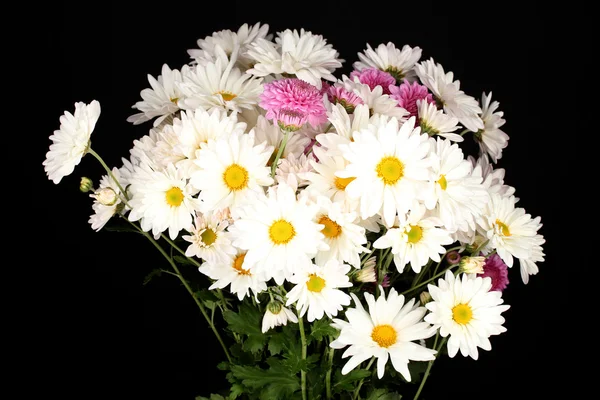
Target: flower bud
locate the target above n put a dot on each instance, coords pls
(425, 297)
(453, 257)
(472, 265)
(274, 307)
(106, 196)
(366, 274)
(86, 184)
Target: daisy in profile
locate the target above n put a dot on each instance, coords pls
(71, 141)
(301, 53)
(345, 125)
(208, 238)
(389, 331)
(266, 131)
(415, 239)
(230, 271)
(317, 290)
(291, 170)
(467, 312)
(492, 140)
(231, 170)
(375, 99)
(387, 57)
(492, 177)
(106, 206)
(390, 165)
(277, 315)
(161, 100)
(279, 233)
(435, 122)
(448, 95)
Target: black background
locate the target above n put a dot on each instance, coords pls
(91, 330)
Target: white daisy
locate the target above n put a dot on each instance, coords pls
(71, 141)
(397, 62)
(103, 210)
(279, 233)
(465, 309)
(492, 178)
(162, 200)
(416, 239)
(528, 265)
(277, 315)
(307, 56)
(376, 101)
(266, 131)
(161, 101)
(390, 165)
(390, 330)
(165, 150)
(345, 125)
(447, 93)
(291, 170)
(208, 237)
(318, 291)
(231, 170)
(492, 140)
(230, 271)
(435, 122)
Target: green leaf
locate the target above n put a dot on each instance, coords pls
(276, 343)
(236, 391)
(184, 260)
(275, 383)
(254, 343)
(246, 321)
(346, 382)
(383, 394)
(155, 273)
(322, 328)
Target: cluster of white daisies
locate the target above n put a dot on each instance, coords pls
(276, 173)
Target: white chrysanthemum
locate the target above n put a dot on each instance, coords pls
(528, 265)
(161, 100)
(492, 140)
(345, 125)
(435, 122)
(279, 233)
(229, 41)
(492, 178)
(318, 291)
(71, 141)
(208, 238)
(390, 165)
(386, 57)
(230, 271)
(222, 85)
(291, 170)
(162, 200)
(511, 231)
(266, 131)
(164, 151)
(197, 127)
(307, 56)
(375, 99)
(232, 170)
(277, 315)
(416, 239)
(447, 93)
(390, 330)
(457, 195)
(104, 211)
(465, 309)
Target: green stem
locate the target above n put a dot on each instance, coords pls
(428, 280)
(360, 383)
(442, 259)
(187, 286)
(430, 364)
(97, 156)
(303, 341)
(328, 376)
(464, 131)
(279, 153)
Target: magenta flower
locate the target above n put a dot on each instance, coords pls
(293, 95)
(374, 77)
(348, 100)
(496, 269)
(289, 120)
(407, 95)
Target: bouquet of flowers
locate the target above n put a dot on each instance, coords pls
(321, 223)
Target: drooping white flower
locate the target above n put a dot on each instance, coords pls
(387, 57)
(104, 211)
(435, 122)
(266, 131)
(276, 315)
(492, 140)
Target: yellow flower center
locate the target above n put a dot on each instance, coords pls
(208, 237)
(503, 227)
(462, 314)
(414, 234)
(390, 170)
(237, 265)
(174, 100)
(443, 182)
(331, 229)
(227, 96)
(281, 232)
(384, 335)
(341, 183)
(235, 177)
(315, 283)
(174, 197)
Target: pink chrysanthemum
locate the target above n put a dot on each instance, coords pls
(289, 120)
(496, 269)
(407, 95)
(374, 77)
(348, 100)
(292, 94)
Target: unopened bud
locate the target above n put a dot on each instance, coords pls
(453, 257)
(425, 297)
(274, 307)
(86, 184)
(106, 196)
(472, 265)
(367, 274)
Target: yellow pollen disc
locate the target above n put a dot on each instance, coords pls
(341, 183)
(235, 177)
(414, 234)
(227, 96)
(462, 314)
(208, 237)
(237, 265)
(331, 229)
(503, 227)
(384, 335)
(281, 232)
(390, 170)
(174, 197)
(174, 100)
(315, 283)
(443, 183)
